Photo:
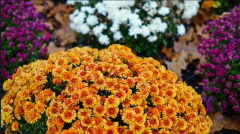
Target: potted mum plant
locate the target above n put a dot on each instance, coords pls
(112, 91)
(222, 51)
(21, 42)
(142, 26)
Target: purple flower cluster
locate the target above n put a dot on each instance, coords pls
(222, 51)
(21, 41)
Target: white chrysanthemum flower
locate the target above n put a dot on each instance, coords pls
(181, 29)
(146, 7)
(92, 20)
(79, 19)
(156, 21)
(153, 4)
(87, 9)
(152, 12)
(153, 28)
(117, 36)
(84, 2)
(164, 10)
(103, 39)
(97, 30)
(70, 2)
(100, 8)
(135, 22)
(145, 31)
(136, 11)
(75, 12)
(190, 9)
(114, 27)
(162, 27)
(152, 38)
(134, 31)
(83, 28)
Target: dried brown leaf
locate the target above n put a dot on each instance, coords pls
(53, 49)
(231, 123)
(37, 2)
(56, 9)
(180, 45)
(39, 8)
(174, 66)
(218, 122)
(188, 36)
(59, 18)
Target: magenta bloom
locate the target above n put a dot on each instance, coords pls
(222, 53)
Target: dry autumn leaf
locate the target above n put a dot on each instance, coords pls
(56, 9)
(53, 49)
(218, 122)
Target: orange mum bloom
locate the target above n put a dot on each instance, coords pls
(99, 110)
(87, 121)
(84, 113)
(157, 100)
(138, 110)
(182, 124)
(169, 111)
(56, 81)
(89, 101)
(68, 116)
(51, 130)
(111, 101)
(59, 123)
(84, 93)
(128, 116)
(136, 99)
(137, 128)
(154, 90)
(32, 116)
(112, 112)
(70, 131)
(167, 123)
(153, 122)
(40, 107)
(121, 130)
(170, 93)
(120, 95)
(15, 126)
(48, 94)
(99, 121)
(140, 119)
(51, 121)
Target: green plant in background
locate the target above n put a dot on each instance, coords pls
(142, 26)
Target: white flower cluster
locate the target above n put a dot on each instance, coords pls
(119, 13)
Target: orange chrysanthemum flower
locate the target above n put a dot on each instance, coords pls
(51, 121)
(70, 131)
(128, 116)
(182, 124)
(56, 81)
(154, 122)
(140, 119)
(84, 113)
(89, 101)
(157, 100)
(48, 94)
(59, 123)
(40, 107)
(31, 116)
(111, 101)
(136, 99)
(112, 112)
(138, 110)
(15, 125)
(121, 130)
(167, 123)
(68, 116)
(170, 93)
(99, 122)
(137, 128)
(99, 110)
(87, 122)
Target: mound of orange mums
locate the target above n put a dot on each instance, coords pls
(110, 91)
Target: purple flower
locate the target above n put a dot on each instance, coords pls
(236, 108)
(3, 54)
(233, 94)
(238, 120)
(11, 44)
(13, 60)
(47, 36)
(221, 72)
(225, 91)
(237, 77)
(4, 73)
(228, 84)
(230, 77)
(22, 46)
(19, 55)
(4, 63)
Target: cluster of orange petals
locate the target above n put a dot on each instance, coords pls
(110, 91)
